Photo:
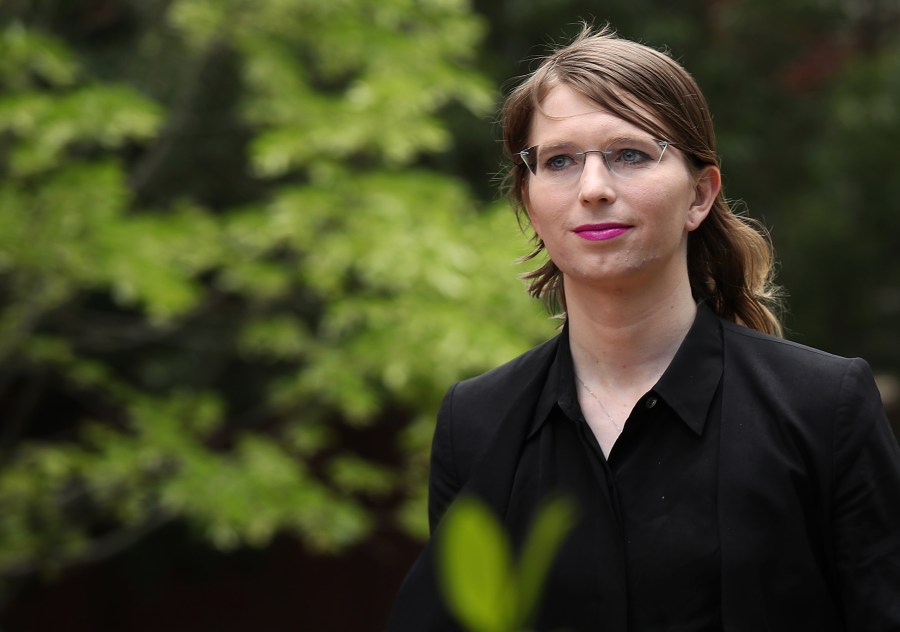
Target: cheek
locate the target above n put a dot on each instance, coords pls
(656, 206)
(670, 204)
(544, 210)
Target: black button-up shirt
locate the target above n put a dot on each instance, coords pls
(644, 555)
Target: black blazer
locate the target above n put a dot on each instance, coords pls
(810, 539)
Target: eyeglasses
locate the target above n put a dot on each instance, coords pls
(563, 163)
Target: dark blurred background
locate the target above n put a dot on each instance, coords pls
(245, 247)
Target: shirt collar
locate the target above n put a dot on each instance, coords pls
(692, 379)
(554, 386)
(687, 386)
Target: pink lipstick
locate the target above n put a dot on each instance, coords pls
(600, 232)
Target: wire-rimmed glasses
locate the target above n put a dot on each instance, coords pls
(563, 163)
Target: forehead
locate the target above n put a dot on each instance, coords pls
(566, 114)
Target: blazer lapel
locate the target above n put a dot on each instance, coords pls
(419, 605)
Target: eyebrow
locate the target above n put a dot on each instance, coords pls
(607, 143)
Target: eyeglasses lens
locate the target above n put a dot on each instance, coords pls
(564, 163)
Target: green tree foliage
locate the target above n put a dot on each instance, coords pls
(806, 125)
(169, 354)
(849, 263)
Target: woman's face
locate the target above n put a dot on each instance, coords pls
(619, 232)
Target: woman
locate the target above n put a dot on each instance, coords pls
(726, 479)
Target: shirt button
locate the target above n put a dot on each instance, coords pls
(651, 402)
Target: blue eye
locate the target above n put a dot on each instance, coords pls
(560, 162)
(632, 157)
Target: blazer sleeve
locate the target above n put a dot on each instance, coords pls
(443, 479)
(866, 506)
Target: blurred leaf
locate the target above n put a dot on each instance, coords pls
(553, 522)
(107, 116)
(26, 55)
(353, 475)
(475, 569)
(479, 581)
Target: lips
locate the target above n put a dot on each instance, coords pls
(600, 232)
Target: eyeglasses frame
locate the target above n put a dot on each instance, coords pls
(522, 160)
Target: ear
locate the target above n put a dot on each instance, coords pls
(707, 185)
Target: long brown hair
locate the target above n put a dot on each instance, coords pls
(730, 257)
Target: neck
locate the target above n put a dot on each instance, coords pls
(625, 342)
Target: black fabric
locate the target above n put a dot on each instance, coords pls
(807, 505)
(648, 533)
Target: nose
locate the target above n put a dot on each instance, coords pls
(597, 181)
